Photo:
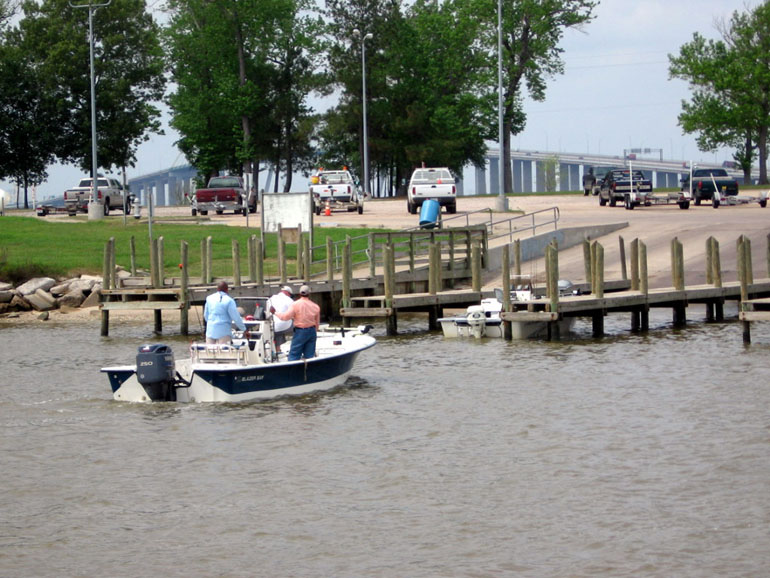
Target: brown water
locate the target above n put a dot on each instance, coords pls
(635, 455)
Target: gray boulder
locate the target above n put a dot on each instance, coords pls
(5, 286)
(20, 304)
(93, 299)
(60, 289)
(83, 284)
(6, 295)
(42, 300)
(72, 298)
(44, 283)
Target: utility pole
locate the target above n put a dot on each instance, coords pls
(95, 210)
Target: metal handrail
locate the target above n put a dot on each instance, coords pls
(512, 230)
(554, 220)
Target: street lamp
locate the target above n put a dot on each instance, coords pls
(502, 202)
(93, 207)
(364, 38)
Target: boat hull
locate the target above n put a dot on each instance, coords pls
(230, 382)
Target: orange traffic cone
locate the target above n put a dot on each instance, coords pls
(328, 211)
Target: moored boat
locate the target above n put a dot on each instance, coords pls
(483, 320)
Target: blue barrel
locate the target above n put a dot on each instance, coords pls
(429, 213)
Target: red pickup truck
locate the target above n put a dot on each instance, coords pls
(223, 194)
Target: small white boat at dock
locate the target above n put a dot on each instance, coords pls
(483, 320)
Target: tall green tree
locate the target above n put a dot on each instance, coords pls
(27, 141)
(531, 33)
(128, 68)
(243, 72)
(423, 73)
(730, 83)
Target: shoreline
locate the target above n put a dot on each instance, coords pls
(656, 226)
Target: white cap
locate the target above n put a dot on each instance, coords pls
(287, 289)
(304, 290)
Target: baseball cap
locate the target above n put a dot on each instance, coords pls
(304, 290)
(287, 289)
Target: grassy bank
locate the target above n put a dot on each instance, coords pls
(31, 247)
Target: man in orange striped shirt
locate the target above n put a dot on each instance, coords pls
(307, 317)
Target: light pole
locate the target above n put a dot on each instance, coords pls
(364, 38)
(95, 211)
(502, 202)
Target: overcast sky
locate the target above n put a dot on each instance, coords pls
(615, 93)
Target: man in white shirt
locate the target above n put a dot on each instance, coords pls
(281, 302)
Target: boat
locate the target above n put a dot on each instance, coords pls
(250, 368)
(483, 320)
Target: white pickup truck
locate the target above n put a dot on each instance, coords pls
(435, 183)
(335, 190)
(109, 193)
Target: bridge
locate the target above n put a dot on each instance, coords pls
(533, 172)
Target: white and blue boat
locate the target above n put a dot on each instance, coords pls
(250, 368)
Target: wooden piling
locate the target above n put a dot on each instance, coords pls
(109, 248)
(154, 263)
(209, 260)
(236, 254)
(306, 254)
(260, 257)
(132, 255)
(371, 252)
(161, 280)
(597, 284)
(203, 261)
(623, 267)
(184, 326)
(389, 284)
(330, 259)
(507, 331)
(346, 276)
(300, 258)
(517, 257)
(644, 285)
(252, 256)
(476, 266)
(282, 275)
(635, 265)
(587, 262)
(744, 277)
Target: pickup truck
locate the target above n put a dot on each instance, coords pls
(335, 190)
(109, 193)
(618, 184)
(223, 194)
(432, 183)
(706, 181)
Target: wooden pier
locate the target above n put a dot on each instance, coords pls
(444, 270)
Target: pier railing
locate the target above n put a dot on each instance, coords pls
(414, 243)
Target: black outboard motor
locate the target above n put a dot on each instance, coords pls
(155, 371)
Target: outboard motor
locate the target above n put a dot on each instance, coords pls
(155, 371)
(477, 320)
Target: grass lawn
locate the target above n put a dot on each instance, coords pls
(31, 247)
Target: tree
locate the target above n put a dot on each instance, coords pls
(423, 74)
(532, 30)
(243, 72)
(730, 80)
(128, 70)
(26, 138)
